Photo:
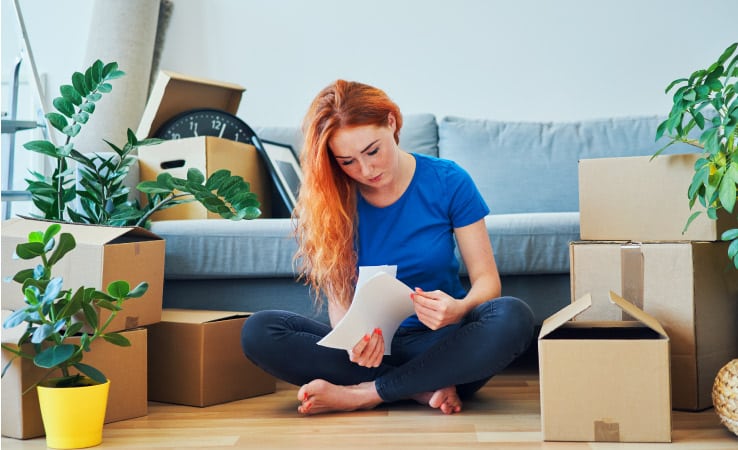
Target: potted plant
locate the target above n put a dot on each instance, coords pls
(708, 100)
(101, 196)
(60, 327)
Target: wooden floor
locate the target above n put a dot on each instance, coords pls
(504, 414)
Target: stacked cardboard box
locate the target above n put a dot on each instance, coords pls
(102, 255)
(174, 94)
(633, 212)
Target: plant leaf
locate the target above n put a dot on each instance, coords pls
(29, 250)
(63, 106)
(117, 339)
(728, 186)
(65, 245)
(16, 318)
(119, 289)
(91, 372)
(41, 333)
(195, 176)
(78, 81)
(54, 356)
(45, 147)
(730, 235)
(70, 94)
(139, 290)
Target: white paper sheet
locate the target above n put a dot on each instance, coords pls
(380, 301)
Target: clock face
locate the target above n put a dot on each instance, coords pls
(206, 122)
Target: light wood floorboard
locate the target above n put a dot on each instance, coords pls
(504, 414)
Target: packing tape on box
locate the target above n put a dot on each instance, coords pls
(631, 280)
(606, 430)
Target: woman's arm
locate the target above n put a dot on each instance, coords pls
(437, 309)
(476, 251)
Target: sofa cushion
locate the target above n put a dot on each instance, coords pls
(214, 248)
(531, 243)
(533, 167)
(419, 134)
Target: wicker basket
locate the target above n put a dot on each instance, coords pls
(725, 395)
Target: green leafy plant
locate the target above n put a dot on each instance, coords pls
(708, 100)
(54, 315)
(102, 196)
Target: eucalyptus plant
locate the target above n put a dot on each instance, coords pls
(101, 196)
(53, 315)
(708, 100)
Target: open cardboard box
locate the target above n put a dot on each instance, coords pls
(642, 199)
(125, 367)
(689, 287)
(173, 94)
(604, 381)
(103, 254)
(195, 358)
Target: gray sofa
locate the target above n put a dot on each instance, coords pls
(527, 172)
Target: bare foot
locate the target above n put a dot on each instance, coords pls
(445, 399)
(320, 396)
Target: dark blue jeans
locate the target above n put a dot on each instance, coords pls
(465, 355)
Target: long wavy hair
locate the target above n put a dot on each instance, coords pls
(325, 214)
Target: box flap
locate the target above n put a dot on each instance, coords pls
(637, 313)
(86, 233)
(565, 314)
(174, 93)
(197, 315)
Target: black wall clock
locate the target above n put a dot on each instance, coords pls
(218, 123)
(206, 122)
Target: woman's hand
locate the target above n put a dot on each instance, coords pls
(369, 351)
(436, 309)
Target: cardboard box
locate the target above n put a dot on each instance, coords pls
(689, 287)
(639, 199)
(103, 254)
(195, 358)
(125, 367)
(173, 94)
(604, 381)
(208, 154)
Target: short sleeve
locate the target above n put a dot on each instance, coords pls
(466, 204)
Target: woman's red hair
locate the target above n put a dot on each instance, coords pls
(326, 207)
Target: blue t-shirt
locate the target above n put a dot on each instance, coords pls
(416, 232)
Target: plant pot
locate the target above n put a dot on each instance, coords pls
(73, 416)
(725, 395)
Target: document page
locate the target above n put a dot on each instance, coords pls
(380, 301)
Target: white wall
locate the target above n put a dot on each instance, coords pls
(516, 60)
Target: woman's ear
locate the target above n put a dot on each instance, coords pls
(392, 121)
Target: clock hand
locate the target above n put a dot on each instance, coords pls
(220, 135)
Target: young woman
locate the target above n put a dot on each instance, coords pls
(366, 202)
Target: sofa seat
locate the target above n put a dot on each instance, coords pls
(221, 249)
(534, 243)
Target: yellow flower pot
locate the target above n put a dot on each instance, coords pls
(73, 417)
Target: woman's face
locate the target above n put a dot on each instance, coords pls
(368, 154)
